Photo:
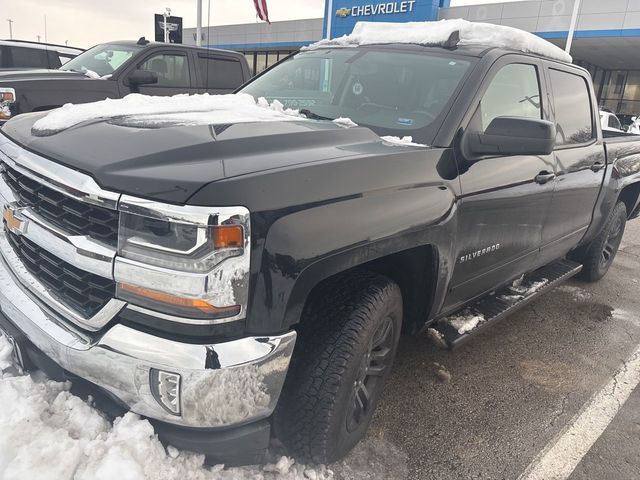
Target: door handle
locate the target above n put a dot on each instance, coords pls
(596, 167)
(544, 177)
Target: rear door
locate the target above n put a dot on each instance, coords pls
(219, 74)
(580, 160)
(503, 209)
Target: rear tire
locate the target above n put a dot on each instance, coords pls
(346, 343)
(597, 257)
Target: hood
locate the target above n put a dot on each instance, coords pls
(171, 162)
(39, 74)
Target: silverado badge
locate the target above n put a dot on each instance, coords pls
(14, 224)
(479, 253)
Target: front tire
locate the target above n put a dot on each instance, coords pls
(597, 257)
(346, 343)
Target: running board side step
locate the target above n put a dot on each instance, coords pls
(458, 328)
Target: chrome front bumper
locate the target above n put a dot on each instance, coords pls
(222, 385)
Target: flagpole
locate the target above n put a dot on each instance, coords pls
(572, 26)
(329, 17)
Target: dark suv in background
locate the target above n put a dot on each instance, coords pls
(113, 70)
(24, 54)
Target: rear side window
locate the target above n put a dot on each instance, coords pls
(29, 57)
(220, 73)
(513, 92)
(574, 119)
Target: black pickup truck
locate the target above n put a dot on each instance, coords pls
(113, 70)
(235, 280)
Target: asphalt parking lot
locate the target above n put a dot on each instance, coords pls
(494, 408)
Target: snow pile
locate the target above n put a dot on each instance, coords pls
(465, 322)
(183, 108)
(48, 433)
(404, 141)
(345, 122)
(437, 33)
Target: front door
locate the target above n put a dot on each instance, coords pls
(504, 204)
(174, 74)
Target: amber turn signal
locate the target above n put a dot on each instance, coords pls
(188, 303)
(228, 236)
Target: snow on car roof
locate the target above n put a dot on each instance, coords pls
(439, 33)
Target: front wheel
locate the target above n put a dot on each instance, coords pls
(346, 343)
(597, 257)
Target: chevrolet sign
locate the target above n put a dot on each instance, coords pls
(377, 9)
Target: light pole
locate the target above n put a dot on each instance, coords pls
(329, 17)
(199, 23)
(166, 14)
(572, 26)
(10, 29)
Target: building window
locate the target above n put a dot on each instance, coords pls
(261, 62)
(620, 78)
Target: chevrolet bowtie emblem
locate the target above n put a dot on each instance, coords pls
(343, 12)
(14, 224)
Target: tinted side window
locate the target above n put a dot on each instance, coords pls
(513, 92)
(29, 57)
(172, 69)
(573, 108)
(220, 73)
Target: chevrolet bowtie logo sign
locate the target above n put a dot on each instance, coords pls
(14, 224)
(343, 12)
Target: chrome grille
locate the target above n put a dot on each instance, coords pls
(82, 291)
(73, 216)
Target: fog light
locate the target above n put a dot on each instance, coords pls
(165, 387)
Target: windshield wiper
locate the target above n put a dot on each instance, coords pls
(313, 116)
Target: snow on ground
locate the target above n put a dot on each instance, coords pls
(47, 433)
(465, 322)
(437, 33)
(404, 141)
(183, 109)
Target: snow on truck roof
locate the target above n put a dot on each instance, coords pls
(442, 33)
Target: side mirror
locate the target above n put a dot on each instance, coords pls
(142, 77)
(512, 136)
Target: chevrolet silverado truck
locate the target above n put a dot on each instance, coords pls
(241, 280)
(113, 70)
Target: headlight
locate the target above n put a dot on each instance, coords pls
(183, 261)
(179, 246)
(7, 102)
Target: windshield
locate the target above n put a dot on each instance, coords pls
(393, 93)
(101, 59)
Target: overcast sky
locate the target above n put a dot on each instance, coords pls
(84, 23)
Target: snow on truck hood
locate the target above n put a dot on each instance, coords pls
(183, 109)
(438, 33)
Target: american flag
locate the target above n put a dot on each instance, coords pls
(261, 10)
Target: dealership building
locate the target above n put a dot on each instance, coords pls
(606, 41)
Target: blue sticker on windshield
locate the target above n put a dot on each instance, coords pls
(405, 121)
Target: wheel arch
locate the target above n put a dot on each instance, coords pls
(414, 269)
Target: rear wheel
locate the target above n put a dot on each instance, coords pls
(346, 343)
(597, 257)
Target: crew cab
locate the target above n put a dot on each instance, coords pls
(113, 70)
(233, 277)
